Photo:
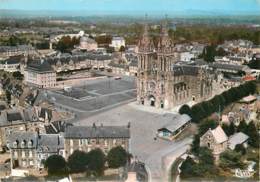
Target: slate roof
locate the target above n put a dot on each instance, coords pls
(185, 70)
(237, 138)
(50, 143)
(39, 66)
(228, 66)
(43, 143)
(19, 137)
(97, 132)
(56, 127)
(14, 116)
(219, 134)
(179, 119)
(12, 60)
(45, 110)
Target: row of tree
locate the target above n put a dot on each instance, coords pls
(204, 109)
(93, 162)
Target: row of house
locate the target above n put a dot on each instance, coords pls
(6, 51)
(31, 149)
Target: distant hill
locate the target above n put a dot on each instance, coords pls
(194, 17)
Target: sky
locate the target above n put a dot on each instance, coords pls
(167, 6)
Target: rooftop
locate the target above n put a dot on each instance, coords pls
(237, 138)
(39, 66)
(97, 132)
(219, 135)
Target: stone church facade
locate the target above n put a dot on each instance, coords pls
(163, 84)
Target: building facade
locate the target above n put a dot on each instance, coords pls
(216, 140)
(163, 84)
(40, 74)
(90, 137)
(31, 149)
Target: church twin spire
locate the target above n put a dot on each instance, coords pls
(165, 43)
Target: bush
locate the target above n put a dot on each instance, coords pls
(230, 159)
(77, 162)
(185, 109)
(96, 162)
(56, 165)
(117, 157)
(240, 148)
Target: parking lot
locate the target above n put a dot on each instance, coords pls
(93, 95)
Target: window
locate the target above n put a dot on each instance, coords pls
(23, 153)
(30, 143)
(15, 154)
(30, 154)
(71, 142)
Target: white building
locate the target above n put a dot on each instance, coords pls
(88, 44)
(117, 43)
(186, 56)
(40, 73)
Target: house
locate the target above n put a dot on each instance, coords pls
(216, 140)
(87, 138)
(31, 149)
(6, 51)
(174, 128)
(237, 138)
(229, 68)
(12, 64)
(39, 73)
(87, 43)
(117, 43)
(16, 120)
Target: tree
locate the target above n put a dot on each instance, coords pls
(232, 128)
(8, 96)
(205, 125)
(187, 168)
(56, 165)
(242, 127)
(122, 49)
(96, 161)
(230, 159)
(77, 162)
(195, 144)
(17, 75)
(228, 129)
(117, 157)
(209, 53)
(205, 156)
(253, 135)
(185, 109)
(240, 148)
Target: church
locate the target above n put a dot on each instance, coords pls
(162, 83)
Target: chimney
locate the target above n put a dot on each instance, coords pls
(58, 140)
(94, 125)
(128, 125)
